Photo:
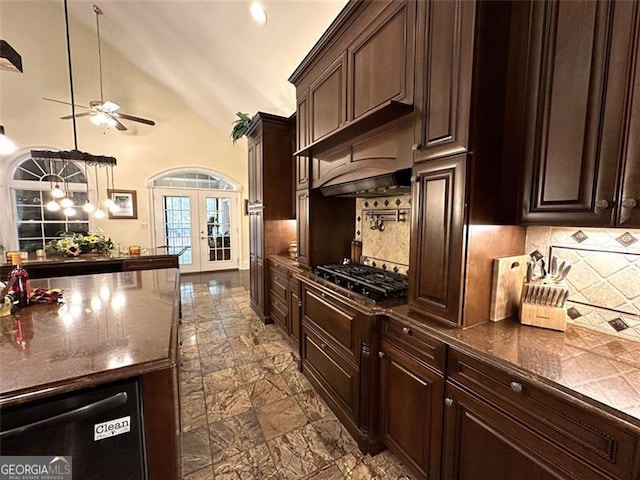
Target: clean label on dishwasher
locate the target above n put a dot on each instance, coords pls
(111, 428)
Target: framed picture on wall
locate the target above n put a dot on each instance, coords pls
(127, 201)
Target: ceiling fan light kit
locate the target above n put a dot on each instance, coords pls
(61, 200)
(103, 113)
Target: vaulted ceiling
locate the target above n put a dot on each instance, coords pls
(211, 52)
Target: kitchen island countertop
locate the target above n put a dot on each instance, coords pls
(110, 326)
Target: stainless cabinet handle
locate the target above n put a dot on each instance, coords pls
(300, 304)
(416, 146)
(448, 402)
(323, 346)
(629, 203)
(516, 387)
(381, 354)
(323, 295)
(602, 204)
(406, 330)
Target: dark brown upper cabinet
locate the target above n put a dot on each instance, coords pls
(271, 199)
(327, 100)
(381, 60)
(302, 135)
(437, 237)
(571, 97)
(359, 76)
(445, 47)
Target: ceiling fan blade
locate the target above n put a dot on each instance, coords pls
(119, 125)
(62, 102)
(134, 119)
(78, 115)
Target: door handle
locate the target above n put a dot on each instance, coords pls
(82, 412)
(629, 203)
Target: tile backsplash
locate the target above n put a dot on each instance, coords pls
(388, 248)
(604, 282)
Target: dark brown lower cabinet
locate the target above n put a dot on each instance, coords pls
(411, 399)
(501, 425)
(295, 309)
(482, 443)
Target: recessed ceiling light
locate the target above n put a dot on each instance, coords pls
(258, 13)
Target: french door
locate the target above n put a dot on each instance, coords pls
(205, 223)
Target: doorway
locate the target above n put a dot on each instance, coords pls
(202, 221)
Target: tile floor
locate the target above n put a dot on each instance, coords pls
(247, 412)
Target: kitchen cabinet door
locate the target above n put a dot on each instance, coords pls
(482, 443)
(411, 396)
(255, 171)
(574, 101)
(629, 211)
(381, 60)
(437, 238)
(328, 100)
(445, 44)
(295, 309)
(303, 226)
(302, 130)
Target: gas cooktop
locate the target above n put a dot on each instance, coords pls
(373, 283)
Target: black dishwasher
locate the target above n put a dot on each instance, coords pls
(100, 428)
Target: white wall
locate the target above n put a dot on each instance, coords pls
(36, 30)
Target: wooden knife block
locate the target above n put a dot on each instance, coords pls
(544, 316)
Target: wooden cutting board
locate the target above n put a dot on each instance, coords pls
(506, 286)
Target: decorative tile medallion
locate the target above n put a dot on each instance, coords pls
(579, 236)
(626, 239)
(573, 313)
(618, 324)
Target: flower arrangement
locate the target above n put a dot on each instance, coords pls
(74, 244)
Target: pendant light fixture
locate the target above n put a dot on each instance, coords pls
(61, 197)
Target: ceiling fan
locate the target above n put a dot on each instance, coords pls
(101, 112)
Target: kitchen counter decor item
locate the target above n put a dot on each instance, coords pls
(543, 298)
(75, 244)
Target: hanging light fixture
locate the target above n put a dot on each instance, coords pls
(75, 155)
(88, 207)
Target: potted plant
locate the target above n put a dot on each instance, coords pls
(240, 126)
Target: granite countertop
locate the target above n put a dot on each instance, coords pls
(111, 325)
(597, 368)
(600, 369)
(53, 260)
(286, 261)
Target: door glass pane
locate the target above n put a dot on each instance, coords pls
(177, 226)
(219, 228)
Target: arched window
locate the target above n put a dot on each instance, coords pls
(30, 191)
(184, 179)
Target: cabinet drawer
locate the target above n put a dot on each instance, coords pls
(279, 311)
(565, 424)
(278, 304)
(337, 376)
(150, 263)
(417, 343)
(334, 319)
(278, 272)
(279, 289)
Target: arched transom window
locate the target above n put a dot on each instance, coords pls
(31, 186)
(184, 179)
